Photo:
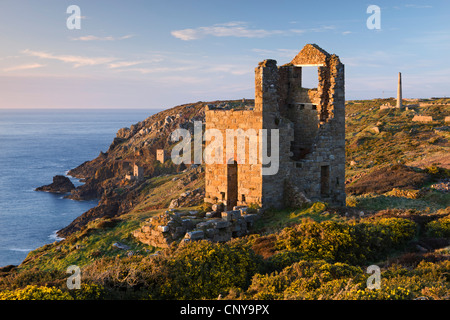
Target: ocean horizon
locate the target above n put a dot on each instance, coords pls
(35, 145)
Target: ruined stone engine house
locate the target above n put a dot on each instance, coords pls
(311, 124)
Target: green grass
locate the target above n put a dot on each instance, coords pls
(92, 243)
(431, 202)
(278, 219)
(399, 140)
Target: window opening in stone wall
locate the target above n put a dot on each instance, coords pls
(310, 77)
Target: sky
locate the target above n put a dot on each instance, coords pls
(158, 54)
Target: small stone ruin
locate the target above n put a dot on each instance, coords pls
(185, 226)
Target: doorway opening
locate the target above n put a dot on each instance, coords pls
(324, 180)
(232, 185)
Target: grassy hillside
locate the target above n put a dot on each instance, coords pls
(395, 218)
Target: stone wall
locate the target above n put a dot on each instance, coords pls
(422, 118)
(218, 182)
(312, 155)
(161, 155)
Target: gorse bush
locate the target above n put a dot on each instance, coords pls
(438, 172)
(198, 270)
(439, 228)
(353, 243)
(327, 240)
(34, 292)
(337, 281)
(203, 270)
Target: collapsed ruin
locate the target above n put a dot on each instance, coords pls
(182, 226)
(311, 126)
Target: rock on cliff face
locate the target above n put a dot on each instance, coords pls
(61, 184)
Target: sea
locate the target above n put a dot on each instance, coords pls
(35, 145)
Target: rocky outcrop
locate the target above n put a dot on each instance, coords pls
(101, 211)
(188, 198)
(443, 185)
(60, 184)
(111, 204)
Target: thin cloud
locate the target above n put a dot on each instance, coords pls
(124, 64)
(282, 53)
(236, 70)
(230, 29)
(239, 29)
(152, 70)
(318, 29)
(418, 6)
(77, 61)
(97, 38)
(24, 67)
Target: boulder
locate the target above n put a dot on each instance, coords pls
(218, 207)
(121, 246)
(195, 235)
(124, 133)
(174, 203)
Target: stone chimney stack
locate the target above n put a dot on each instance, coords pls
(399, 91)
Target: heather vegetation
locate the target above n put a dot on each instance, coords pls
(395, 218)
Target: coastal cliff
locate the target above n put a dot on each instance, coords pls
(104, 176)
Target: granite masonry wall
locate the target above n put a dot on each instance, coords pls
(417, 118)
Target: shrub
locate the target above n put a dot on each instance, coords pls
(327, 240)
(283, 259)
(398, 230)
(203, 270)
(380, 236)
(439, 228)
(352, 242)
(305, 280)
(351, 201)
(405, 193)
(338, 281)
(438, 172)
(34, 292)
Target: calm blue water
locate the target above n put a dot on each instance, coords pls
(35, 145)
